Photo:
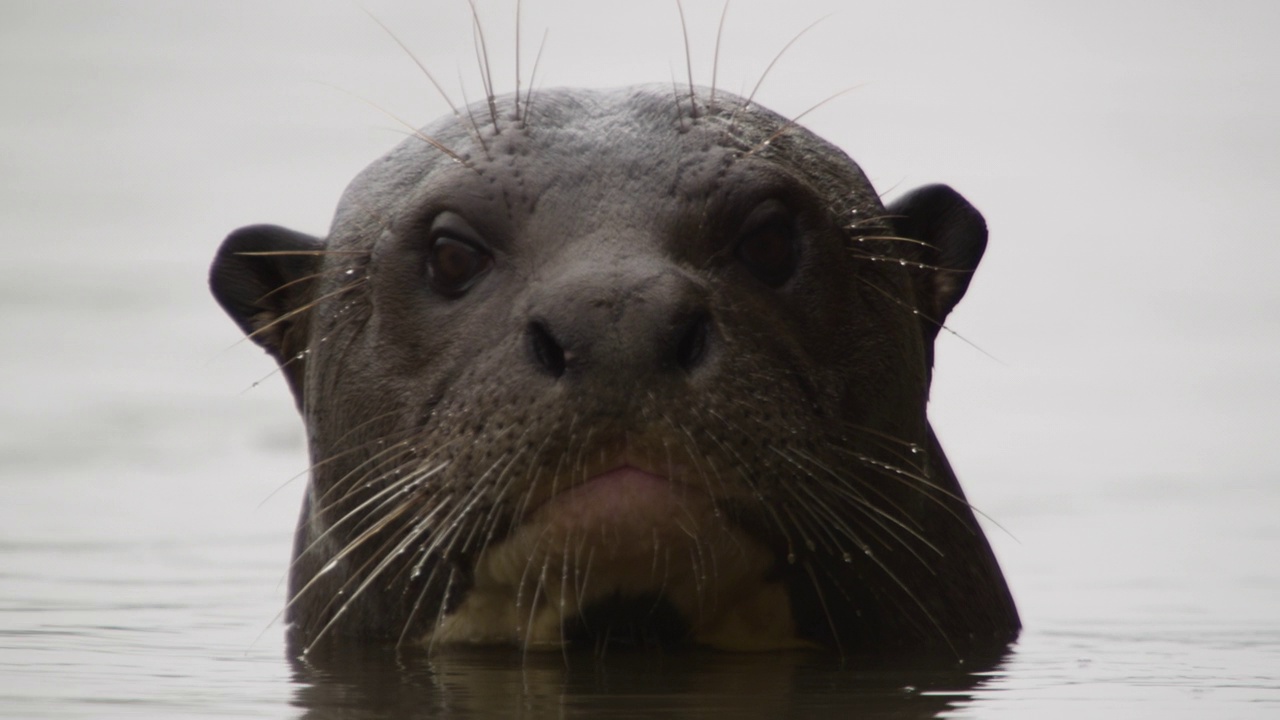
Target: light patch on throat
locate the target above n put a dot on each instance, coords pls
(626, 533)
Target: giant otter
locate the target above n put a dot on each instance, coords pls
(627, 366)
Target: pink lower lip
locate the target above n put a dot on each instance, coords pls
(622, 484)
(618, 493)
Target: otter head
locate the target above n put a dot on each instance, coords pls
(623, 365)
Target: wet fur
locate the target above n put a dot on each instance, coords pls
(808, 436)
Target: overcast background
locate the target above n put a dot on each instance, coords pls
(1119, 421)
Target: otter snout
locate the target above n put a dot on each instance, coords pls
(592, 325)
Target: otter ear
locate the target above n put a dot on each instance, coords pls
(953, 236)
(263, 276)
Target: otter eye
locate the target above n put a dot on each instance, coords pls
(454, 261)
(768, 245)
(455, 265)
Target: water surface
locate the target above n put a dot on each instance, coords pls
(1117, 422)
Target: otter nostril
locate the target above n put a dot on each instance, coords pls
(546, 351)
(692, 346)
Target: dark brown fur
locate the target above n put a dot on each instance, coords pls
(621, 317)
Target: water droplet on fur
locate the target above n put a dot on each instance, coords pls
(916, 449)
(791, 558)
(350, 272)
(848, 558)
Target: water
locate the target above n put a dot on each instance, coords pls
(1125, 156)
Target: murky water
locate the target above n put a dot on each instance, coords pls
(1122, 436)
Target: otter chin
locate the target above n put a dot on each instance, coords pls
(639, 546)
(624, 367)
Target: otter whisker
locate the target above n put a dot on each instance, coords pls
(870, 510)
(364, 426)
(379, 502)
(746, 102)
(409, 534)
(386, 466)
(318, 465)
(482, 58)
(414, 611)
(910, 594)
(915, 458)
(533, 606)
(301, 253)
(292, 358)
(688, 63)
(834, 525)
(828, 525)
(471, 115)
(303, 280)
(564, 610)
(756, 88)
(520, 509)
(291, 314)
(364, 470)
(359, 572)
(805, 539)
(454, 520)
(770, 509)
(528, 566)
(516, 94)
(691, 451)
(885, 238)
(887, 522)
(915, 482)
(697, 564)
(533, 76)
(826, 609)
(389, 497)
(440, 612)
(421, 66)
(505, 478)
(487, 522)
(430, 77)
(916, 311)
(411, 129)
(675, 93)
(795, 121)
(715, 57)
(904, 262)
(582, 579)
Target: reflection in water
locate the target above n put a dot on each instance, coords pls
(490, 683)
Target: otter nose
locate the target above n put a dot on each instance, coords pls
(620, 326)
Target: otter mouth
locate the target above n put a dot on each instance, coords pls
(624, 557)
(627, 503)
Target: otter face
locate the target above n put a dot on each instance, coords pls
(623, 366)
